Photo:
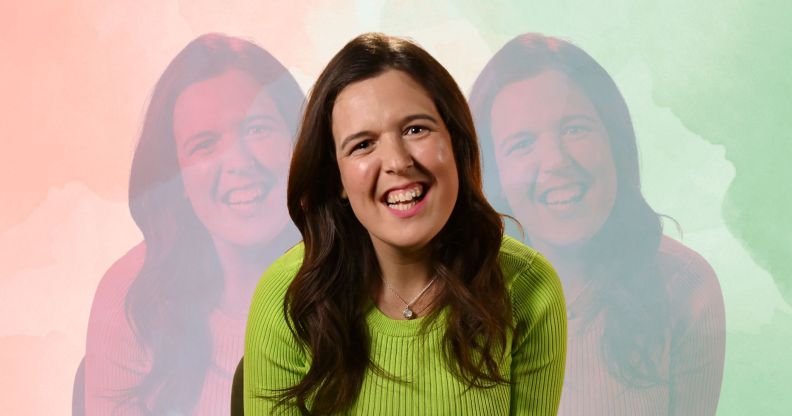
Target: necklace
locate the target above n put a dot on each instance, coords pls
(570, 313)
(408, 313)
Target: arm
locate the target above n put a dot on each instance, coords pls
(273, 358)
(539, 345)
(114, 361)
(697, 340)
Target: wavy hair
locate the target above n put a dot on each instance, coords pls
(169, 303)
(628, 289)
(328, 317)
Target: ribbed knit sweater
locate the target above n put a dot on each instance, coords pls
(534, 360)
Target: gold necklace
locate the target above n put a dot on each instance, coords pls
(408, 312)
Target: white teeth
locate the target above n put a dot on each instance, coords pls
(402, 195)
(404, 206)
(243, 196)
(564, 195)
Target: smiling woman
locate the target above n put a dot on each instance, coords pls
(645, 313)
(405, 297)
(208, 191)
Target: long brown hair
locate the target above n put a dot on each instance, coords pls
(326, 302)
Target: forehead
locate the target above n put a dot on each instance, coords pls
(376, 102)
(220, 102)
(539, 101)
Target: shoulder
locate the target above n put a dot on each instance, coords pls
(113, 287)
(278, 276)
(266, 307)
(690, 280)
(531, 279)
(682, 267)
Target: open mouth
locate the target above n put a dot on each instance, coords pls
(406, 198)
(563, 195)
(247, 195)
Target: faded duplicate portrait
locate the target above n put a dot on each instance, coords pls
(208, 191)
(645, 313)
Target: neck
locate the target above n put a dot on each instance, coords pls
(406, 271)
(242, 268)
(406, 276)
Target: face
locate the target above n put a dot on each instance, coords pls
(554, 159)
(396, 161)
(233, 148)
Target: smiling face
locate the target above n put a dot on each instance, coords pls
(233, 148)
(554, 160)
(395, 159)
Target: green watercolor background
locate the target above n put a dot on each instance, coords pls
(708, 88)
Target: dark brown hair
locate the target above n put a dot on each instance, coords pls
(627, 288)
(326, 301)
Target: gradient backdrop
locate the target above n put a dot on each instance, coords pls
(707, 84)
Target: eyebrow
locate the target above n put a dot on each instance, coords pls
(198, 136)
(574, 117)
(364, 133)
(259, 117)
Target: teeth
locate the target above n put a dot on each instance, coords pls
(403, 195)
(564, 195)
(243, 196)
(403, 206)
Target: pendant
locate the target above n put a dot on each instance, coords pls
(408, 313)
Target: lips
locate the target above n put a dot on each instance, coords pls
(563, 195)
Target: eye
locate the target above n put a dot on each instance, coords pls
(415, 130)
(522, 142)
(575, 130)
(361, 146)
(205, 146)
(257, 130)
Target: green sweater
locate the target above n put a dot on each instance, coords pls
(534, 361)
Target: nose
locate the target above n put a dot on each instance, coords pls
(237, 157)
(553, 155)
(396, 158)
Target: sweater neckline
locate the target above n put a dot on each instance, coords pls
(379, 323)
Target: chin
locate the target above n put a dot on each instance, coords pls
(251, 235)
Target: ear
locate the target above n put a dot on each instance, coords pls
(344, 194)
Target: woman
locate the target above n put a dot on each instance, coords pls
(646, 317)
(404, 297)
(207, 189)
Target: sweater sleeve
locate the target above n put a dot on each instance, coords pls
(697, 340)
(114, 360)
(273, 358)
(539, 344)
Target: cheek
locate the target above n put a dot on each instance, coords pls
(198, 180)
(358, 177)
(437, 157)
(516, 170)
(593, 154)
(274, 155)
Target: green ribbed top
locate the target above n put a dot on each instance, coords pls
(534, 361)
